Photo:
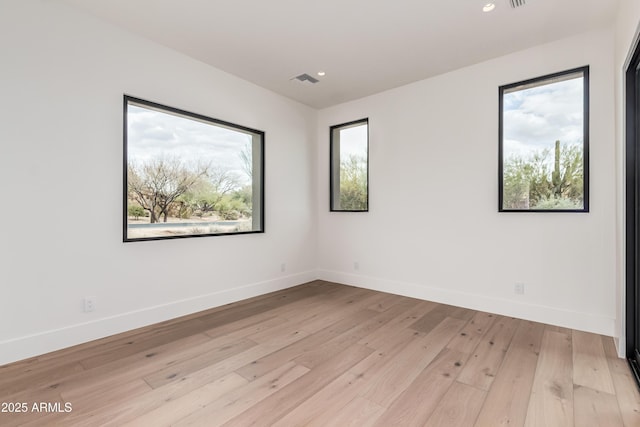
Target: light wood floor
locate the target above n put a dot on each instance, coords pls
(323, 354)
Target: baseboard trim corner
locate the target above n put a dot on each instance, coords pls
(24, 347)
(544, 314)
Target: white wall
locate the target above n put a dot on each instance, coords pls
(627, 26)
(433, 230)
(62, 79)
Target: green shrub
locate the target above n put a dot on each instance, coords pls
(136, 211)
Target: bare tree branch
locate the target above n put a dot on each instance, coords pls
(156, 184)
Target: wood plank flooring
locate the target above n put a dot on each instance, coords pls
(323, 354)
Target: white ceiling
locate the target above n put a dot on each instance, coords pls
(364, 46)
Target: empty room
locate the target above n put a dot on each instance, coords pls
(338, 213)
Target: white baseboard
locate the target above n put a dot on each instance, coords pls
(538, 313)
(24, 347)
(36, 344)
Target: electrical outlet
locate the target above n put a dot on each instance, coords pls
(356, 265)
(283, 267)
(89, 304)
(518, 288)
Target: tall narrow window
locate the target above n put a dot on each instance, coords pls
(350, 166)
(544, 144)
(188, 175)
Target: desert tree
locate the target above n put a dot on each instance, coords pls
(531, 182)
(157, 183)
(207, 195)
(246, 159)
(353, 183)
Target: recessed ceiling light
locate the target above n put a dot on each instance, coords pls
(321, 73)
(488, 7)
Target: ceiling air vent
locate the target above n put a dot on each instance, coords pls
(517, 3)
(305, 79)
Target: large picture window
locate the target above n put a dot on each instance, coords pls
(544, 144)
(349, 184)
(188, 175)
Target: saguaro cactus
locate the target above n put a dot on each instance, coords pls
(556, 178)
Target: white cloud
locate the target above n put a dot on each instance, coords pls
(533, 119)
(153, 134)
(353, 141)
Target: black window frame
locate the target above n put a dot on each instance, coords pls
(585, 146)
(334, 154)
(256, 163)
